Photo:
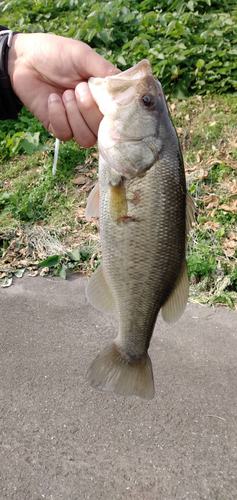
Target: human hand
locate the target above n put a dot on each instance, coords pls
(49, 74)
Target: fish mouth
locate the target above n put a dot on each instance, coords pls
(119, 88)
(140, 70)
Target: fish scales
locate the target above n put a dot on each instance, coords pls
(142, 258)
(142, 231)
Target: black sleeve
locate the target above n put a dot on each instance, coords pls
(10, 105)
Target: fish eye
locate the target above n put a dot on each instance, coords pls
(147, 100)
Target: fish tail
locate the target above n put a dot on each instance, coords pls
(116, 372)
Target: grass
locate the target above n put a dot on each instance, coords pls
(34, 202)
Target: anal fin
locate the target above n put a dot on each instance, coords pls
(175, 305)
(99, 292)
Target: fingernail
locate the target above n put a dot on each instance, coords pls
(68, 95)
(54, 97)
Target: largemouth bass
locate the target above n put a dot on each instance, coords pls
(145, 214)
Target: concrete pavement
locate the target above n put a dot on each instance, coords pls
(62, 440)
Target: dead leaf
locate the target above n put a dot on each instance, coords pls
(187, 117)
(6, 282)
(202, 173)
(23, 263)
(33, 273)
(212, 161)
(96, 223)
(211, 201)
(233, 187)
(229, 244)
(80, 179)
(232, 236)
(23, 251)
(3, 275)
(212, 225)
(88, 186)
(229, 252)
(79, 167)
(234, 204)
(80, 214)
(12, 244)
(227, 208)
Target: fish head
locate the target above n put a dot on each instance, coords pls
(131, 134)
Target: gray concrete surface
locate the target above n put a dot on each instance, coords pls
(62, 440)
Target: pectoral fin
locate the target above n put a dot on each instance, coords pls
(99, 292)
(174, 307)
(118, 201)
(93, 203)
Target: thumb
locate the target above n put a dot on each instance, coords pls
(89, 63)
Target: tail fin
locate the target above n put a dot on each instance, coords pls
(112, 371)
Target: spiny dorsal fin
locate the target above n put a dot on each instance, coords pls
(99, 292)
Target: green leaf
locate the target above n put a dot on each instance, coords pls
(91, 34)
(62, 272)
(146, 43)
(200, 63)
(121, 60)
(28, 146)
(101, 19)
(218, 32)
(50, 261)
(19, 273)
(75, 254)
(174, 72)
(85, 255)
(180, 91)
(104, 36)
(30, 142)
(190, 5)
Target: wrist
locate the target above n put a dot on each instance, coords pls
(13, 57)
(10, 104)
